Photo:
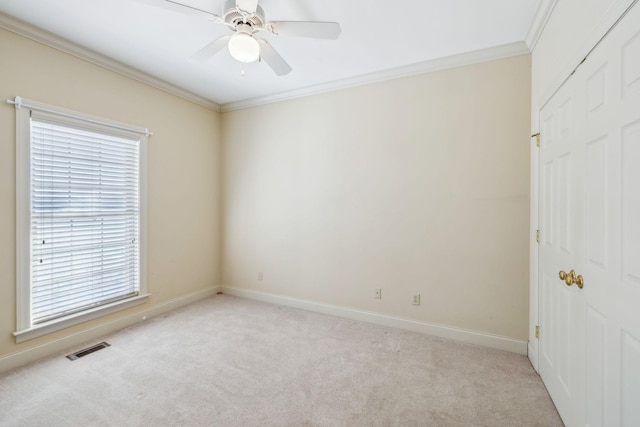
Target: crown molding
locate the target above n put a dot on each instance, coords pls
(460, 60)
(474, 57)
(39, 35)
(543, 13)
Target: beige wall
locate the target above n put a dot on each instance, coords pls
(183, 172)
(414, 185)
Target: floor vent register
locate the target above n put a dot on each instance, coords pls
(78, 354)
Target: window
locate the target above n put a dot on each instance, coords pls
(80, 214)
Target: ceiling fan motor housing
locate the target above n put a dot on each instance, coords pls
(234, 16)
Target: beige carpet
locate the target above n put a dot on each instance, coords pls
(226, 361)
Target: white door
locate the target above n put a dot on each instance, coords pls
(589, 349)
(561, 360)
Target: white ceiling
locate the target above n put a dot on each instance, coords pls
(376, 35)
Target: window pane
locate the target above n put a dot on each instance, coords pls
(84, 219)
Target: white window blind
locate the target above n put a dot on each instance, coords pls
(85, 218)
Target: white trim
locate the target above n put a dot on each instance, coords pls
(22, 357)
(533, 254)
(23, 218)
(20, 103)
(144, 218)
(74, 319)
(29, 31)
(443, 331)
(460, 60)
(543, 13)
(533, 357)
(25, 109)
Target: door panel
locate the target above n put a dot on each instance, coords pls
(596, 329)
(631, 204)
(548, 309)
(597, 92)
(596, 208)
(565, 203)
(630, 364)
(565, 353)
(631, 65)
(548, 205)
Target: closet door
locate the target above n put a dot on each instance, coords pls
(590, 223)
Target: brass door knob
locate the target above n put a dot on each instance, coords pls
(571, 278)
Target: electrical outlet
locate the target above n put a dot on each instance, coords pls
(415, 299)
(378, 293)
(260, 276)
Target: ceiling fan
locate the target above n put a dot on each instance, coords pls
(246, 18)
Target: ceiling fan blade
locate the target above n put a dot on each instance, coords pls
(273, 58)
(182, 8)
(249, 6)
(211, 49)
(318, 30)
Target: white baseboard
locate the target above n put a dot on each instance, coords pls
(472, 337)
(22, 357)
(533, 357)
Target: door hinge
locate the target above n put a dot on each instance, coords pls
(537, 332)
(537, 137)
(538, 236)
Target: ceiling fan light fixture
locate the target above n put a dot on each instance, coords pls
(244, 48)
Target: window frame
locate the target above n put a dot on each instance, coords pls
(25, 330)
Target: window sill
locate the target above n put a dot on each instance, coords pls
(74, 319)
